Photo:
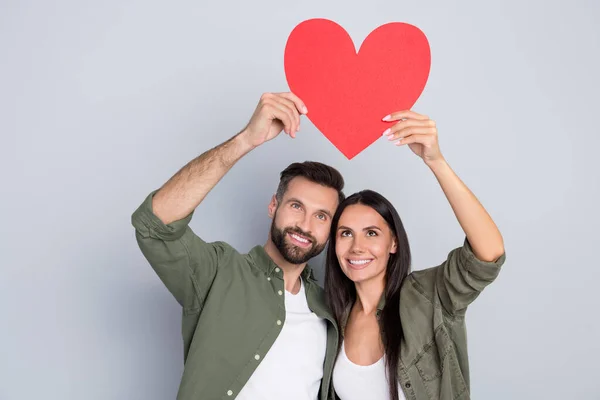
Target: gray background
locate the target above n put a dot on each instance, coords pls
(102, 102)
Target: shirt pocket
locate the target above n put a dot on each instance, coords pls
(439, 370)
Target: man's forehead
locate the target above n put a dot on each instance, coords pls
(311, 193)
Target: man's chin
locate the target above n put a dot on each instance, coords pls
(296, 255)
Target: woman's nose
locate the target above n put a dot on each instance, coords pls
(357, 246)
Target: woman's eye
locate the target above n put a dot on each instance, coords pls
(346, 234)
(371, 233)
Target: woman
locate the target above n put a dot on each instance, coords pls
(402, 335)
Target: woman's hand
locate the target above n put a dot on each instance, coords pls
(417, 131)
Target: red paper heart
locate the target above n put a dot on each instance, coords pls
(348, 93)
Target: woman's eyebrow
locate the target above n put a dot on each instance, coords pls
(368, 228)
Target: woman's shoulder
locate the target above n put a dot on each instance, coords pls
(419, 290)
(421, 282)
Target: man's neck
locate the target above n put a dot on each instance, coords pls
(291, 272)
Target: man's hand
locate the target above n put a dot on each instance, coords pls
(181, 194)
(274, 112)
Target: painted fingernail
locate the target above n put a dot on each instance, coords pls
(387, 118)
(388, 130)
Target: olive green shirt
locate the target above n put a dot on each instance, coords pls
(433, 355)
(233, 305)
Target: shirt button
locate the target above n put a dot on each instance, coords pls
(277, 269)
(407, 386)
(229, 393)
(280, 292)
(269, 278)
(278, 322)
(257, 357)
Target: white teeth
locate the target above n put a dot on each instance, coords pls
(300, 239)
(359, 262)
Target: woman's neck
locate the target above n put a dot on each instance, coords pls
(368, 294)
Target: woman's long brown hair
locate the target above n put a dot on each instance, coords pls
(341, 292)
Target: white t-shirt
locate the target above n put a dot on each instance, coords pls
(293, 368)
(359, 382)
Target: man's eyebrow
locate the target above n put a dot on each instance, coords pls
(294, 200)
(325, 212)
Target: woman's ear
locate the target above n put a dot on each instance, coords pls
(394, 247)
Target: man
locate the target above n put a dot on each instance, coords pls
(255, 326)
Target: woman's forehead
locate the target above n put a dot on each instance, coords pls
(359, 215)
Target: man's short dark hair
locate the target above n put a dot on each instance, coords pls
(315, 172)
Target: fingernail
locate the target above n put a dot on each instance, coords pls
(387, 118)
(305, 110)
(388, 130)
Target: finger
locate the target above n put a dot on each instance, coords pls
(410, 123)
(284, 109)
(405, 114)
(421, 139)
(292, 107)
(274, 111)
(268, 102)
(409, 131)
(300, 106)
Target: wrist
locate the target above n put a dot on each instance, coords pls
(244, 141)
(437, 164)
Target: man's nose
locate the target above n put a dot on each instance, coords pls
(304, 223)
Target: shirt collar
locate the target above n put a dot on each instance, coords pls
(381, 304)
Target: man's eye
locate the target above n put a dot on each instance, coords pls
(322, 217)
(295, 205)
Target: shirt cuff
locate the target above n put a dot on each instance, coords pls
(149, 225)
(487, 270)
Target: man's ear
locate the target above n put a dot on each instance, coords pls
(272, 207)
(394, 248)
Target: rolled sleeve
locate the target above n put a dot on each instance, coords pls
(147, 224)
(462, 277)
(184, 262)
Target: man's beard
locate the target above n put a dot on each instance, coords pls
(290, 252)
